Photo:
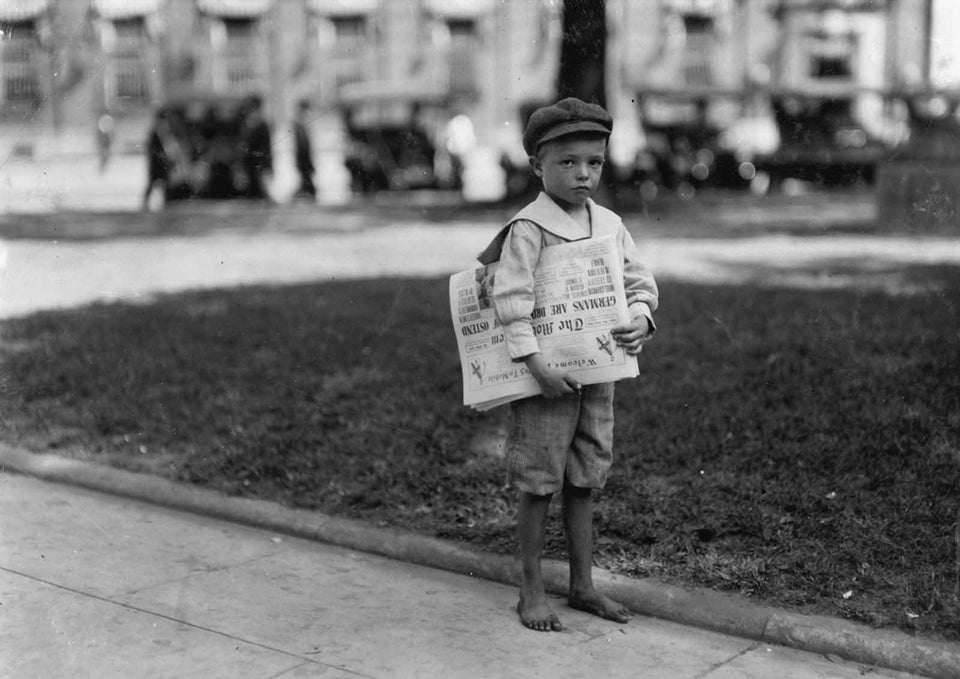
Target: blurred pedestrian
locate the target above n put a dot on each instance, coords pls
(257, 149)
(459, 140)
(304, 150)
(164, 157)
(106, 128)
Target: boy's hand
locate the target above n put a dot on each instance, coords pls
(632, 335)
(553, 383)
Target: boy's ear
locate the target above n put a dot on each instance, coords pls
(537, 165)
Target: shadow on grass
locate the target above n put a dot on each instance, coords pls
(800, 447)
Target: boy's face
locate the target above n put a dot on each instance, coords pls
(570, 167)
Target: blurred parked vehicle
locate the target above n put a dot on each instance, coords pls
(390, 156)
(822, 142)
(685, 154)
(707, 142)
(398, 142)
(204, 147)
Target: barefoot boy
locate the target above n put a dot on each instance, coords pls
(562, 441)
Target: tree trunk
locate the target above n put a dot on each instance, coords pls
(583, 51)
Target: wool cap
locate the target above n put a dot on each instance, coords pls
(565, 117)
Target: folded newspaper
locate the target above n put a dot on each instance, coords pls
(579, 299)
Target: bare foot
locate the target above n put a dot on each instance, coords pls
(596, 603)
(537, 615)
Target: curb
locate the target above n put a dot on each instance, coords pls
(704, 608)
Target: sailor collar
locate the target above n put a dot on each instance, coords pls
(550, 217)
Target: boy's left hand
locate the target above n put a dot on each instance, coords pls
(632, 335)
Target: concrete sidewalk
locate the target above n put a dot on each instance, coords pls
(94, 585)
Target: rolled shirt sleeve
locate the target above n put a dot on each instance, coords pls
(513, 288)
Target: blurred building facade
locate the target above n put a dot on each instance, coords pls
(726, 62)
(66, 63)
(62, 63)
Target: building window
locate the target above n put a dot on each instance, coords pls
(830, 57)
(19, 74)
(127, 53)
(464, 47)
(699, 50)
(346, 56)
(830, 67)
(349, 49)
(238, 57)
(241, 54)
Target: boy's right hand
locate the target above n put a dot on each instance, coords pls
(553, 383)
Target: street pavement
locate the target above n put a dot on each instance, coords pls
(293, 245)
(71, 182)
(94, 585)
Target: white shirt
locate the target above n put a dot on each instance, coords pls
(539, 225)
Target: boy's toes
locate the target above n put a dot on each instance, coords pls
(619, 614)
(541, 621)
(551, 624)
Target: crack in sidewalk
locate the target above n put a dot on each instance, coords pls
(204, 570)
(201, 628)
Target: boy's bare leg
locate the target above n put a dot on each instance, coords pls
(578, 522)
(533, 608)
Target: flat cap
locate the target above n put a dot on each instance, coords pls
(567, 116)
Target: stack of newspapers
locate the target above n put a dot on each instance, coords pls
(579, 299)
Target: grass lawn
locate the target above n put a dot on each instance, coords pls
(801, 447)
